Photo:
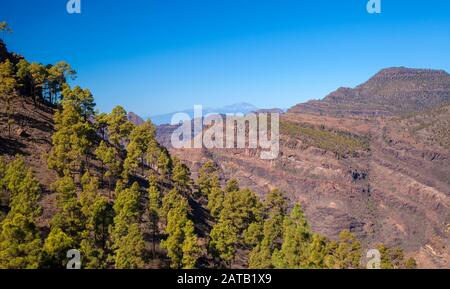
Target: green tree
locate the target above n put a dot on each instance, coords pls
(73, 132)
(190, 248)
(24, 77)
(57, 77)
(410, 263)
(127, 240)
(268, 237)
(13, 174)
(69, 217)
(140, 139)
(242, 208)
(394, 258)
(5, 28)
(181, 243)
(296, 236)
(347, 255)
(110, 164)
(181, 176)
(206, 175)
(8, 91)
(224, 241)
(154, 205)
(20, 242)
(152, 154)
(55, 249)
(130, 248)
(216, 197)
(39, 78)
(232, 186)
(170, 201)
(318, 253)
(97, 214)
(164, 165)
(119, 128)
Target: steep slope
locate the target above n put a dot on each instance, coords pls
(385, 178)
(392, 91)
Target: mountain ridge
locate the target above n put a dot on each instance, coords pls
(392, 91)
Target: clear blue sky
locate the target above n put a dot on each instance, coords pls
(158, 56)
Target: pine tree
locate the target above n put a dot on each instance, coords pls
(242, 208)
(127, 240)
(318, 253)
(72, 138)
(181, 243)
(3, 194)
(206, 174)
(173, 244)
(154, 205)
(13, 174)
(347, 255)
(20, 242)
(140, 139)
(152, 154)
(223, 241)
(268, 237)
(232, 186)
(276, 203)
(57, 77)
(24, 78)
(164, 165)
(130, 248)
(410, 263)
(39, 77)
(215, 198)
(191, 249)
(25, 199)
(69, 217)
(97, 214)
(55, 249)
(111, 165)
(8, 93)
(181, 176)
(119, 128)
(296, 236)
(170, 201)
(4, 27)
(394, 258)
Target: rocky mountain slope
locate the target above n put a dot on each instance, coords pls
(391, 91)
(356, 162)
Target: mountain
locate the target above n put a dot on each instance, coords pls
(390, 92)
(356, 161)
(233, 108)
(134, 118)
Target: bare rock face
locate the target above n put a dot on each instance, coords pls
(390, 92)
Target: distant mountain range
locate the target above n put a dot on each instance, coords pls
(242, 107)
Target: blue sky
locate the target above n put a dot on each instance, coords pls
(158, 56)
